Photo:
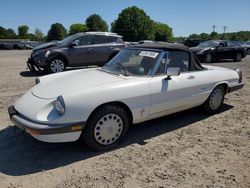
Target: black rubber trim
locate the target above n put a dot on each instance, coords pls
(12, 111)
(237, 87)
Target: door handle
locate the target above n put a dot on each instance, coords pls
(190, 77)
(91, 49)
(111, 48)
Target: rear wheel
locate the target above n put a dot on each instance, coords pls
(215, 100)
(56, 64)
(106, 128)
(237, 57)
(248, 51)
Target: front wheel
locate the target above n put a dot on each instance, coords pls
(56, 65)
(237, 57)
(208, 58)
(215, 100)
(106, 128)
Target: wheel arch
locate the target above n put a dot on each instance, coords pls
(225, 85)
(115, 103)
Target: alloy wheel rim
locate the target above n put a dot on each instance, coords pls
(209, 58)
(216, 99)
(108, 129)
(238, 57)
(57, 65)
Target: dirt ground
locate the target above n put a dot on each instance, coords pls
(187, 149)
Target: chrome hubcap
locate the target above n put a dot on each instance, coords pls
(216, 99)
(57, 65)
(108, 129)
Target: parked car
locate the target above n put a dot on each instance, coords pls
(5, 47)
(247, 46)
(214, 50)
(193, 42)
(82, 49)
(145, 41)
(20, 46)
(143, 82)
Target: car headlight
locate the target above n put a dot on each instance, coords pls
(60, 105)
(35, 53)
(47, 53)
(240, 74)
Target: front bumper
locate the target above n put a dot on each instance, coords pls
(236, 87)
(47, 132)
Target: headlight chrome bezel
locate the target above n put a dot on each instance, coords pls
(60, 105)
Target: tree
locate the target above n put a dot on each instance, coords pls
(3, 32)
(194, 36)
(214, 35)
(77, 28)
(162, 32)
(23, 31)
(39, 34)
(134, 25)
(11, 34)
(56, 32)
(95, 23)
(204, 36)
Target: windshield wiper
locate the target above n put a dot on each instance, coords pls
(123, 68)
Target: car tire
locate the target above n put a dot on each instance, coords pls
(248, 51)
(208, 58)
(215, 100)
(56, 64)
(106, 128)
(237, 57)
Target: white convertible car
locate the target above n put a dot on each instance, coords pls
(142, 82)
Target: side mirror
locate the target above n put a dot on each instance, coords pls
(72, 44)
(173, 71)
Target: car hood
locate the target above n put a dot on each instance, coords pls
(45, 46)
(58, 84)
(198, 49)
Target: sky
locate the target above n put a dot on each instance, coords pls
(184, 16)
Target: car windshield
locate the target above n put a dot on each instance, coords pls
(209, 44)
(132, 62)
(68, 39)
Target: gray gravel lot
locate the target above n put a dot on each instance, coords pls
(187, 149)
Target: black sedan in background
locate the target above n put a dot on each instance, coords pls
(214, 50)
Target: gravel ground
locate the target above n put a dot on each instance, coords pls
(187, 149)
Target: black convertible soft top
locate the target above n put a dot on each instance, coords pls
(194, 63)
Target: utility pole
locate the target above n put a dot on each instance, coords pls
(224, 29)
(214, 26)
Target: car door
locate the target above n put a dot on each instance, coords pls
(82, 54)
(223, 51)
(102, 48)
(180, 92)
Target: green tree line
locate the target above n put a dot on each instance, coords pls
(132, 23)
(233, 36)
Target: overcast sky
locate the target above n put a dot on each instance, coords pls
(184, 16)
